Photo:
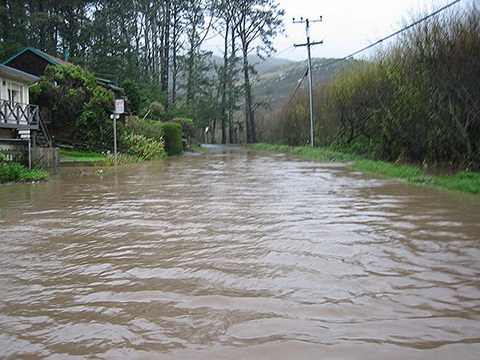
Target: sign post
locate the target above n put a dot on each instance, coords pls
(119, 109)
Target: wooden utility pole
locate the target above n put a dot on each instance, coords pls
(310, 78)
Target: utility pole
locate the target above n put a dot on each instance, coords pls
(310, 78)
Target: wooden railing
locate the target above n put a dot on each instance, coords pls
(15, 115)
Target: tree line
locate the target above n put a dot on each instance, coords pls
(416, 101)
(156, 45)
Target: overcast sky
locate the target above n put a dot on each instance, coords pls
(347, 26)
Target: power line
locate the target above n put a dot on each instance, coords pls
(391, 35)
(298, 87)
(375, 43)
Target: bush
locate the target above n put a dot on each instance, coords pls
(154, 111)
(416, 102)
(173, 138)
(16, 172)
(133, 96)
(148, 128)
(142, 147)
(79, 107)
(188, 128)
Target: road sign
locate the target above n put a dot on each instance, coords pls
(119, 106)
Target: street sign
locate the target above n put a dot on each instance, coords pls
(119, 106)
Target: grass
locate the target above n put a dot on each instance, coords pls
(82, 156)
(319, 154)
(390, 170)
(464, 181)
(468, 182)
(97, 159)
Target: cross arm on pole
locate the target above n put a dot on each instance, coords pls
(309, 44)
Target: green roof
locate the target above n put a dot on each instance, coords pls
(51, 59)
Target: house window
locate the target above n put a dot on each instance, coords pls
(15, 92)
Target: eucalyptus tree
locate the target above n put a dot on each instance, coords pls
(257, 23)
(198, 17)
(176, 43)
(165, 44)
(226, 28)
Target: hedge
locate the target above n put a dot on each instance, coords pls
(173, 138)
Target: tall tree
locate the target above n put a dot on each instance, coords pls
(196, 32)
(258, 21)
(226, 14)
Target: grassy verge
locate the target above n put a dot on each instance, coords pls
(97, 159)
(464, 181)
(390, 170)
(319, 154)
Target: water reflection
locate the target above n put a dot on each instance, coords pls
(237, 255)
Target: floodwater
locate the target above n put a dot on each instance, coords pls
(237, 255)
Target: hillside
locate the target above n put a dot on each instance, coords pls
(276, 84)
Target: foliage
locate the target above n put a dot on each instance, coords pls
(147, 128)
(155, 110)
(295, 125)
(416, 102)
(173, 138)
(188, 126)
(79, 107)
(257, 21)
(154, 49)
(133, 96)
(122, 159)
(16, 172)
(146, 149)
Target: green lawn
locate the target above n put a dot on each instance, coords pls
(82, 156)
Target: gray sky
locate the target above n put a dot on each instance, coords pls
(347, 26)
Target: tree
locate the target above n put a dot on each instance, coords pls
(196, 32)
(79, 107)
(256, 20)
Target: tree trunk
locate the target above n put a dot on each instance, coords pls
(231, 90)
(224, 84)
(249, 115)
(165, 51)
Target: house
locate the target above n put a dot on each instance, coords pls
(20, 121)
(16, 112)
(34, 61)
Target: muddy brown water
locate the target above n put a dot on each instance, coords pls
(237, 255)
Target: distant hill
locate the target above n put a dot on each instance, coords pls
(277, 79)
(276, 84)
(262, 66)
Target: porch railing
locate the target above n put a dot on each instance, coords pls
(15, 115)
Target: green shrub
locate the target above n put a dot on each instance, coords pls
(133, 96)
(173, 138)
(16, 172)
(79, 107)
(188, 127)
(148, 128)
(142, 147)
(154, 111)
(415, 102)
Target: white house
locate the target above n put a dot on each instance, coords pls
(17, 116)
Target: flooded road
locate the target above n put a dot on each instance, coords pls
(237, 255)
